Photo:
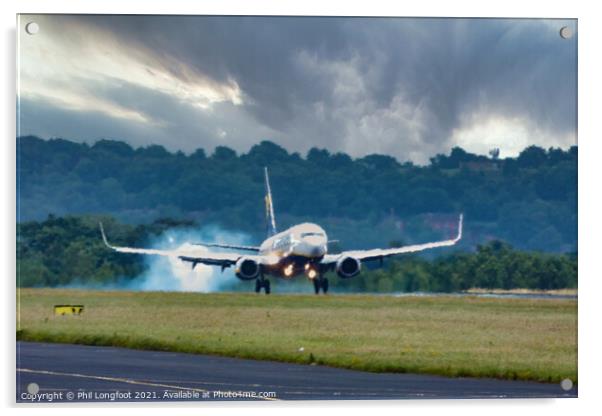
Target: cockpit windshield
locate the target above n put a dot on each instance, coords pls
(312, 234)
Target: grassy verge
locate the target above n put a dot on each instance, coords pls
(450, 336)
(566, 292)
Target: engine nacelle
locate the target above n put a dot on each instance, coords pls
(246, 269)
(348, 267)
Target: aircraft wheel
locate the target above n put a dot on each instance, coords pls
(266, 286)
(257, 285)
(324, 285)
(317, 285)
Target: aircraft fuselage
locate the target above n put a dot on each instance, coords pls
(296, 250)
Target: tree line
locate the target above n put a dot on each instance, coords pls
(529, 201)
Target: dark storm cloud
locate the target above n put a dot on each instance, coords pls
(181, 128)
(362, 85)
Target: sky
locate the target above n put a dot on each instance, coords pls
(406, 87)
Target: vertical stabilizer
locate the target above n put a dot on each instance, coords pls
(269, 206)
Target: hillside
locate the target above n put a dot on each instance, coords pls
(529, 201)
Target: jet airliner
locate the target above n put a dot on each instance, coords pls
(299, 250)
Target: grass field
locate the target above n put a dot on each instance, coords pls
(451, 336)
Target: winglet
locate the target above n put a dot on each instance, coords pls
(104, 237)
(460, 221)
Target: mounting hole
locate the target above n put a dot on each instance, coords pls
(566, 384)
(33, 388)
(566, 32)
(32, 28)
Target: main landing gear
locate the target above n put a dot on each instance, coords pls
(321, 282)
(261, 282)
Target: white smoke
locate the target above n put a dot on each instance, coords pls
(173, 274)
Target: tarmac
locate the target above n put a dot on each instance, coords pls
(77, 373)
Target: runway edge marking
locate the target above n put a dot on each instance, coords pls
(123, 380)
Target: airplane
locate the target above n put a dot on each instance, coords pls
(301, 249)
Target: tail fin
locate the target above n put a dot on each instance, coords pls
(269, 207)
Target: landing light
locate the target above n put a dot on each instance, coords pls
(311, 274)
(288, 270)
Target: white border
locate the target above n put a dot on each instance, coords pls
(589, 187)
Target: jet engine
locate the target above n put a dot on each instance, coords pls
(348, 267)
(247, 268)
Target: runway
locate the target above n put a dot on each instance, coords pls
(76, 373)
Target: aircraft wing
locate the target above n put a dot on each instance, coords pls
(229, 246)
(215, 259)
(378, 253)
